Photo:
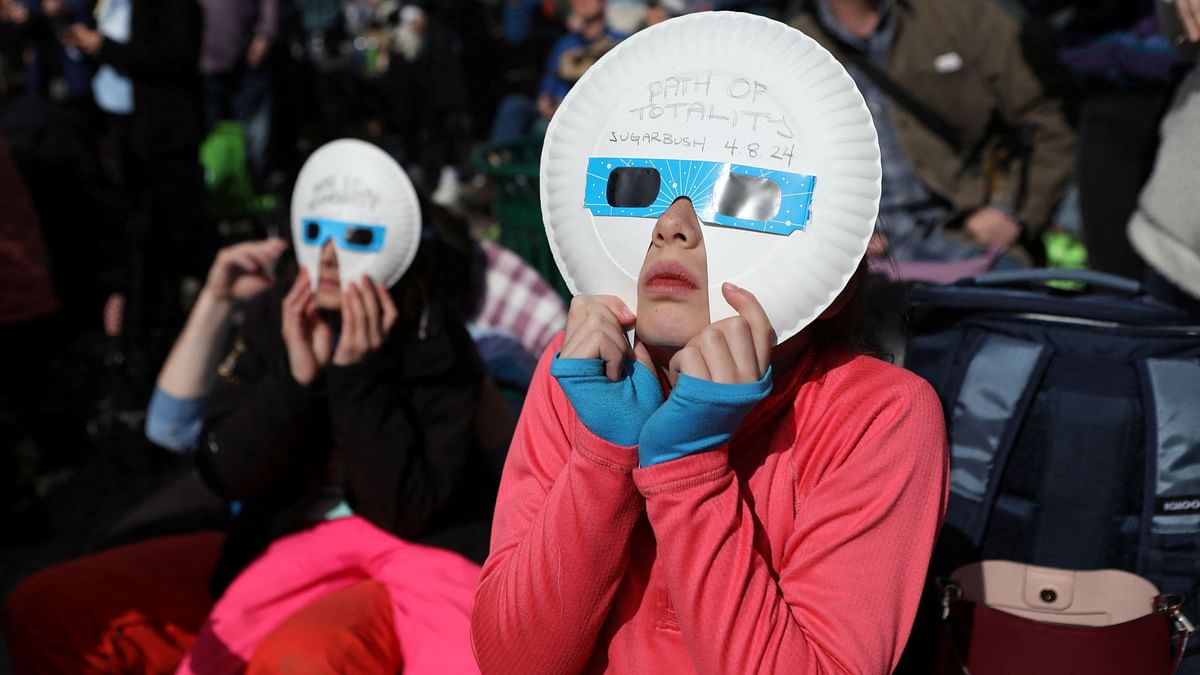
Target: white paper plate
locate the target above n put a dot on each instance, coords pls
(795, 106)
(353, 181)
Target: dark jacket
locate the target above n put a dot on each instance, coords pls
(396, 431)
(26, 289)
(993, 78)
(162, 59)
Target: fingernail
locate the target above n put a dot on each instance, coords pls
(730, 286)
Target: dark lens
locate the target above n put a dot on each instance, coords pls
(360, 236)
(632, 187)
(312, 230)
(748, 197)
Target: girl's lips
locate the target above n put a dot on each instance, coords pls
(667, 279)
(330, 283)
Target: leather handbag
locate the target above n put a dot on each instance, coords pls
(1003, 617)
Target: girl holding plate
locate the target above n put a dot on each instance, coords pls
(736, 488)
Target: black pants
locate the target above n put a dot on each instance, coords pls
(165, 239)
(1118, 141)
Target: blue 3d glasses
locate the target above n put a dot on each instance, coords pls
(347, 236)
(730, 195)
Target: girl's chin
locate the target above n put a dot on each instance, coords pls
(329, 298)
(669, 328)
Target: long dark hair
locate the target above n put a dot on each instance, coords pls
(853, 328)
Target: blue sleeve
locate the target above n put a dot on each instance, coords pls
(614, 411)
(174, 423)
(698, 415)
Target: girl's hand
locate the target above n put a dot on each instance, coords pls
(736, 350)
(1189, 14)
(368, 316)
(244, 270)
(728, 368)
(612, 396)
(596, 326)
(306, 336)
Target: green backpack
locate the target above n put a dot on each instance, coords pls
(230, 192)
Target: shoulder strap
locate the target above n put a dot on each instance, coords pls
(926, 116)
(990, 403)
(1170, 536)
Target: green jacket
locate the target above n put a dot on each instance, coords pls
(991, 76)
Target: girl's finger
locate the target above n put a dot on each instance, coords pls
(613, 354)
(582, 345)
(366, 295)
(584, 306)
(748, 307)
(297, 286)
(360, 313)
(741, 346)
(717, 357)
(687, 361)
(389, 308)
(1189, 13)
(350, 321)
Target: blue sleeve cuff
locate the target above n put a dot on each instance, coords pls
(561, 367)
(614, 411)
(174, 423)
(699, 415)
(712, 393)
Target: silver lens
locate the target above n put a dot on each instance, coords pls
(747, 197)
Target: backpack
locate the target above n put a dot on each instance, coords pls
(227, 176)
(1074, 422)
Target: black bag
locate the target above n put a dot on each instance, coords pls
(1074, 421)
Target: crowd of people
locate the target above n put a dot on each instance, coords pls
(442, 465)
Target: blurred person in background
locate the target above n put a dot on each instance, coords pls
(951, 93)
(28, 330)
(343, 423)
(437, 80)
(1122, 70)
(237, 39)
(1165, 228)
(148, 86)
(588, 38)
(59, 218)
(52, 70)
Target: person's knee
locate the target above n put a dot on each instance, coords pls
(290, 652)
(348, 632)
(302, 651)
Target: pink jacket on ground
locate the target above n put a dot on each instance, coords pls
(430, 590)
(800, 547)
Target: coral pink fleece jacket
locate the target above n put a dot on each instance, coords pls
(799, 547)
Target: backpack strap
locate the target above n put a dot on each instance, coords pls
(1169, 554)
(997, 388)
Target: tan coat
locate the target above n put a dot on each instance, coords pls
(992, 74)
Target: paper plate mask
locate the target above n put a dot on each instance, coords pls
(753, 121)
(354, 194)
